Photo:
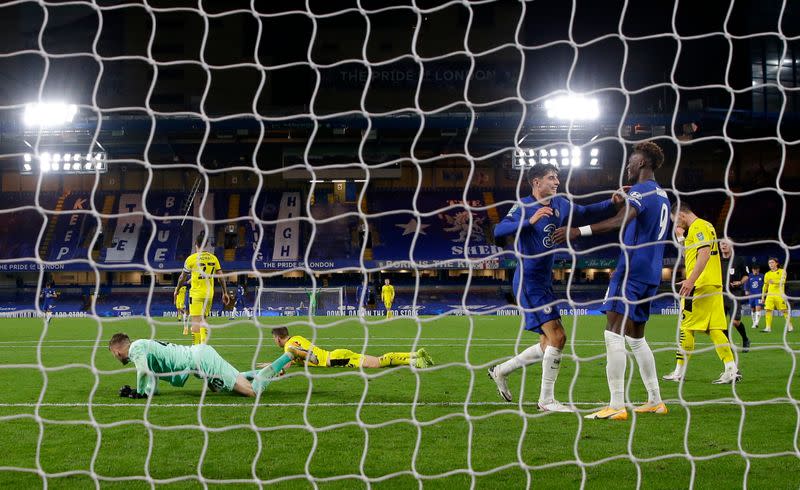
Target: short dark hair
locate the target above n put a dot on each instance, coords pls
(776, 260)
(652, 153)
(540, 170)
(755, 266)
(280, 332)
(681, 206)
(119, 338)
(200, 239)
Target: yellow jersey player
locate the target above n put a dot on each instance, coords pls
(314, 356)
(773, 295)
(180, 304)
(387, 295)
(702, 306)
(203, 267)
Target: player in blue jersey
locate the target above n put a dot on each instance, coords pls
(532, 221)
(49, 296)
(755, 286)
(646, 223)
(240, 303)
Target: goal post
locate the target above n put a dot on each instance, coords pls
(300, 301)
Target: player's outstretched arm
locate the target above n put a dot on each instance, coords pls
(622, 218)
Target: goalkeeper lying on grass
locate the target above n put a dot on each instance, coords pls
(303, 351)
(173, 363)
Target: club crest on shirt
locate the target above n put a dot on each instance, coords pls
(700, 236)
(547, 310)
(556, 213)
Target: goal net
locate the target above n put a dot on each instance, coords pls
(301, 301)
(350, 164)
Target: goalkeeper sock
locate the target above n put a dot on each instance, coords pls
(647, 367)
(203, 335)
(196, 338)
(721, 344)
(264, 377)
(395, 359)
(551, 364)
(525, 358)
(768, 319)
(615, 368)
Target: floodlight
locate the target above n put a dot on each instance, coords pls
(572, 107)
(76, 157)
(553, 152)
(593, 162)
(576, 162)
(27, 157)
(49, 114)
(594, 152)
(45, 157)
(565, 161)
(531, 162)
(564, 152)
(45, 166)
(576, 151)
(542, 153)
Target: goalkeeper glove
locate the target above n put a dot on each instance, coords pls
(128, 392)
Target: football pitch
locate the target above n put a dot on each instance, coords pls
(445, 426)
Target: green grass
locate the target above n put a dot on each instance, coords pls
(445, 425)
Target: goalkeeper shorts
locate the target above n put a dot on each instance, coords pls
(704, 309)
(199, 306)
(180, 303)
(775, 303)
(217, 372)
(345, 358)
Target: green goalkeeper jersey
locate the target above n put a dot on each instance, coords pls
(153, 358)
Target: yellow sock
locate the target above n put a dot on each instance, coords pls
(768, 319)
(395, 359)
(679, 355)
(203, 335)
(196, 339)
(687, 345)
(722, 345)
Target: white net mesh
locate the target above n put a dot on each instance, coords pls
(369, 138)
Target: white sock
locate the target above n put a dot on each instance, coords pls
(525, 358)
(551, 364)
(647, 367)
(615, 368)
(730, 366)
(756, 317)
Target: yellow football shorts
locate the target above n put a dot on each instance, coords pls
(180, 302)
(199, 306)
(345, 358)
(775, 303)
(704, 309)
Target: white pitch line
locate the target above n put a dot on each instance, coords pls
(460, 344)
(289, 404)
